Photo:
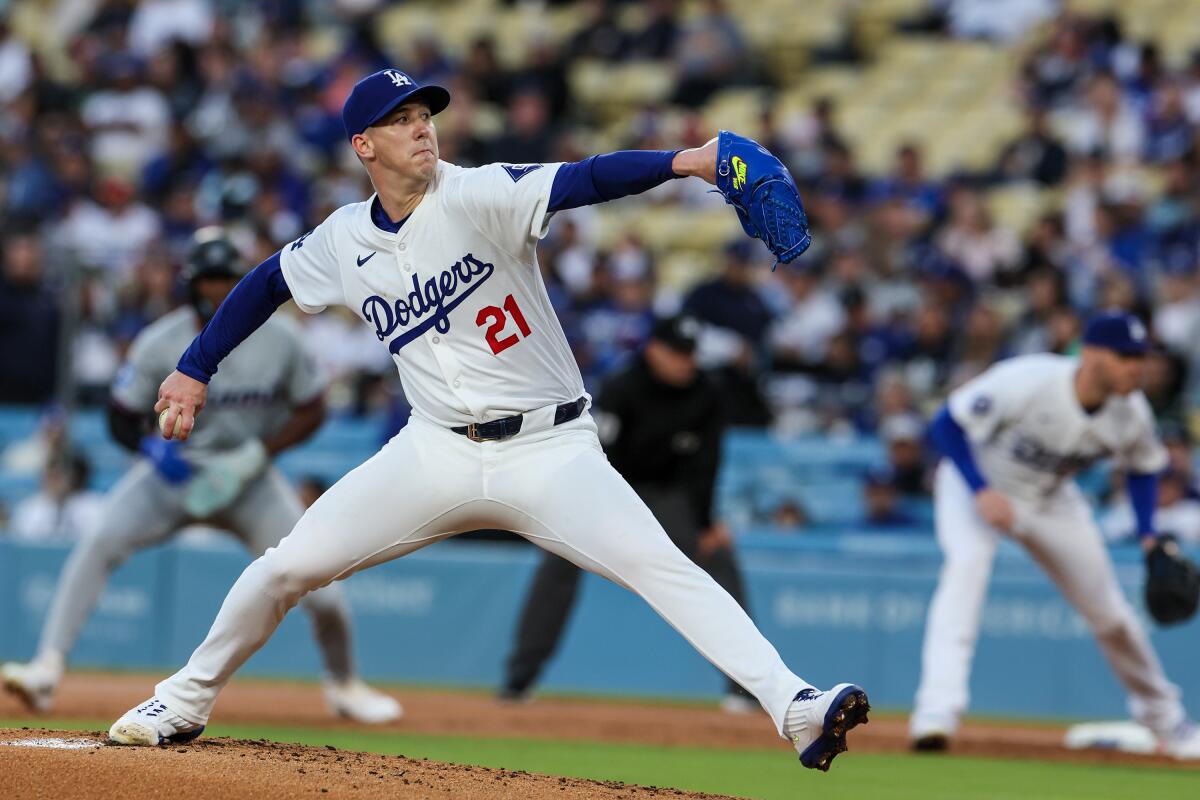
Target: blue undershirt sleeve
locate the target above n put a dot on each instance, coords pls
(609, 176)
(1143, 496)
(951, 440)
(247, 307)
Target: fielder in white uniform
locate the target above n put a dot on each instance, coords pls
(441, 264)
(1014, 438)
(267, 398)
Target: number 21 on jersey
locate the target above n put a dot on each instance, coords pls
(496, 319)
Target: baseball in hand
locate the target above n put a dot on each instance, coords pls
(162, 423)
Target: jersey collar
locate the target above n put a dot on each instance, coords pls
(381, 218)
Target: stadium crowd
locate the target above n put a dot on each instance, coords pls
(126, 126)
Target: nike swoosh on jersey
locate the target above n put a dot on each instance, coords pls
(362, 260)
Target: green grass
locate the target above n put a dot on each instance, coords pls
(754, 774)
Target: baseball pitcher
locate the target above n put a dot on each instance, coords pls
(441, 264)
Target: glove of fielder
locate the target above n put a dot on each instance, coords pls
(1172, 583)
(223, 478)
(762, 191)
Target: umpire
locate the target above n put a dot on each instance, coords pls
(661, 424)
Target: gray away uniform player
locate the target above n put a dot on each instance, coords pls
(1014, 438)
(267, 397)
(441, 263)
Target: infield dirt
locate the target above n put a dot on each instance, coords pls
(217, 767)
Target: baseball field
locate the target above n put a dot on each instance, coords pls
(274, 739)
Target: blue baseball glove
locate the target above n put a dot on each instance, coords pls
(761, 190)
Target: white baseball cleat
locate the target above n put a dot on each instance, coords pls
(1184, 743)
(355, 700)
(817, 722)
(152, 724)
(32, 683)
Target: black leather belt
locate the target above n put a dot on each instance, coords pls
(510, 426)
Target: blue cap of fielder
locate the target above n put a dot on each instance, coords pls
(1117, 331)
(378, 94)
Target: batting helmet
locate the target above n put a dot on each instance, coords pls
(212, 255)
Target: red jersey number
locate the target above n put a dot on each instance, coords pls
(496, 319)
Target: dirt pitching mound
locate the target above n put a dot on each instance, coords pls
(42, 763)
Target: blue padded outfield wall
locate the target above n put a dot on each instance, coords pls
(850, 607)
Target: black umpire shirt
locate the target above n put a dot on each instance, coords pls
(665, 436)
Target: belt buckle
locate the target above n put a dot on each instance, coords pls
(473, 434)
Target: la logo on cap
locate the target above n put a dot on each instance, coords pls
(398, 78)
(1137, 331)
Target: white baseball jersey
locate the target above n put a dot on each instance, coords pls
(1029, 433)
(455, 295)
(259, 383)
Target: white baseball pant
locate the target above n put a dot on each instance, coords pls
(554, 487)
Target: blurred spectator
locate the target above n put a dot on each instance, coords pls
(600, 36)
(128, 121)
(1035, 155)
(982, 344)
(1104, 123)
(569, 255)
(16, 63)
(1170, 134)
(930, 362)
(529, 135)
(110, 233)
(1166, 377)
(157, 23)
(150, 294)
(615, 326)
(731, 300)
(29, 322)
(546, 70)
(482, 72)
(1177, 312)
(182, 164)
(656, 38)
(1191, 88)
(1180, 456)
(30, 456)
(1045, 293)
(882, 508)
(63, 508)
(904, 435)
(789, 515)
(972, 239)
(1004, 20)
(909, 183)
(813, 315)
(710, 54)
(1046, 248)
(1060, 65)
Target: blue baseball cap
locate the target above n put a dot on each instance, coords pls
(1117, 331)
(375, 96)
